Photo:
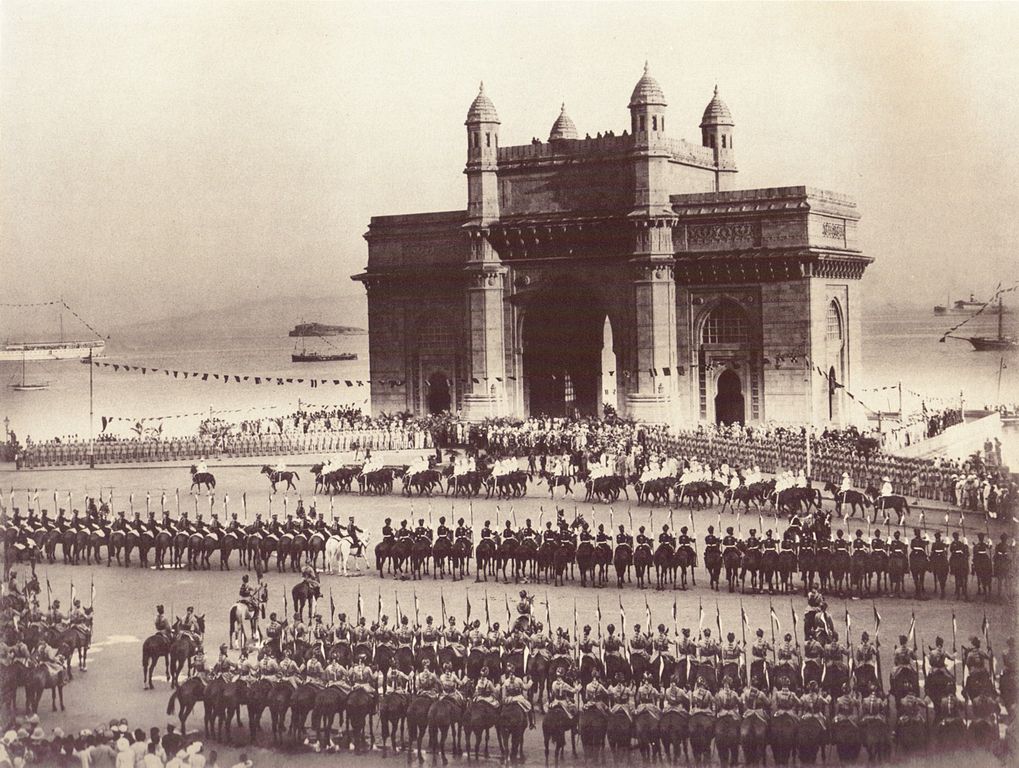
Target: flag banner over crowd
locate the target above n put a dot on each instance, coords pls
(237, 378)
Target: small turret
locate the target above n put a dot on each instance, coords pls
(563, 127)
(647, 109)
(717, 125)
(482, 158)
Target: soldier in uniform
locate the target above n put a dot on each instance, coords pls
(288, 669)
(701, 700)
(643, 540)
(485, 690)
(903, 655)
(268, 668)
(595, 694)
(450, 683)
(866, 659)
(425, 682)
(162, 624)
(612, 645)
(361, 676)
(786, 701)
(752, 543)
(508, 532)
(528, 532)
(859, 545)
(602, 538)
(453, 638)
(677, 699)
(847, 706)
(816, 703)
(897, 546)
(712, 544)
(462, 532)
(788, 651)
(422, 532)
(443, 531)
(388, 536)
(918, 544)
(564, 693)
(587, 644)
(729, 541)
(585, 533)
(727, 701)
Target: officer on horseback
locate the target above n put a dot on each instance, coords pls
(357, 546)
(162, 624)
(443, 531)
(463, 531)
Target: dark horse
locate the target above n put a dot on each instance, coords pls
(198, 479)
(851, 497)
(304, 593)
(280, 477)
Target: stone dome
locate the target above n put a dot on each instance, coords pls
(482, 109)
(647, 91)
(563, 127)
(716, 113)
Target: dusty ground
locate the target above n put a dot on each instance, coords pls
(125, 598)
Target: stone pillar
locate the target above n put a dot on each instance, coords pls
(486, 385)
(654, 393)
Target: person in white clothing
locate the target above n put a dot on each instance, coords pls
(847, 483)
(886, 486)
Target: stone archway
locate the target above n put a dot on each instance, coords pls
(562, 335)
(730, 405)
(438, 398)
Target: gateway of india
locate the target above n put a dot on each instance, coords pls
(625, 271)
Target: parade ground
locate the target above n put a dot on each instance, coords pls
(125, 598)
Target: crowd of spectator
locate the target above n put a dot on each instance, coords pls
(112, 745)
(973, 484)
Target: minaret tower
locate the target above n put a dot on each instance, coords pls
(485, 273)
(651, 395)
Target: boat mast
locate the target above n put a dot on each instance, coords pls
(1001, 312)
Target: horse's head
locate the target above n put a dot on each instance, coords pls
(578, 522)
(194, 469)
(201, 623)
(872, 492)
(265, 469)
(316, 469)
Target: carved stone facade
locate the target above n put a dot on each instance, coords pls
(723, 304)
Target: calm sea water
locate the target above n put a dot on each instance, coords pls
(900, 346)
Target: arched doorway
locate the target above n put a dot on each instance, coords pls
(438, 398)
(563, 335)
(729, 404)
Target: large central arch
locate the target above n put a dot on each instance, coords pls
(562, 340)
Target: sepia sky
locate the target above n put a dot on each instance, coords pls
(160, 158)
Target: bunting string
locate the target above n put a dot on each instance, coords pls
(237, 378)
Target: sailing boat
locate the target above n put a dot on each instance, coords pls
(989, 343)
(25, 385)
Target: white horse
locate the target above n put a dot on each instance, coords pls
(242, 616)
(337, 552)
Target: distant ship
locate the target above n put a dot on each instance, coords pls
(964, 306)
(51, 350)
(54, 350)
(316, 357)
(319, 329)
(311, 356)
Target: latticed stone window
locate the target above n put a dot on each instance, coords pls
(833, 330)
(727, 324)
(569, 396)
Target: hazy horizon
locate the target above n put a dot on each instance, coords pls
(168, 158)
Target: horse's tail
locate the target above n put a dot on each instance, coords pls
(212, 480)
(170, 704)
(296, 477)
(233, 623)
